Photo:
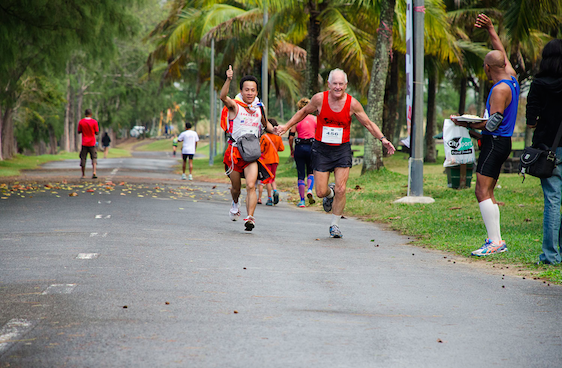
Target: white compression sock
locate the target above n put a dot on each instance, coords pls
(491, 216)
(331, 195)
(336, 220)
(498, 223)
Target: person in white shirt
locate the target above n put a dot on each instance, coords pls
(189, 139)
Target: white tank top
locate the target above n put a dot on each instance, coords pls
(246, 122)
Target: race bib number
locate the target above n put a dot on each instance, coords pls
(332, 135)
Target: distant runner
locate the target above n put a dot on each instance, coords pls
(189, 139)
(331, 150)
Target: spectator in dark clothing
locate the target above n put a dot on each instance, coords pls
(105, 141)
(543, 113)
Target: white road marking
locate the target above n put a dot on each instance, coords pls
(102, 216)
(108, 216)
(98, 216)
(87, 255)
(93, 235)
(59, 289)
(13, 330)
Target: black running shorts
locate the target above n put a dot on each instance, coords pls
(186, 156)
(326, 158)
(495, 150)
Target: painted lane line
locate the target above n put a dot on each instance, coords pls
(102, 216)
(87, 255)
(13, 331)
(99, 216)
(93, 235)
(59, 289)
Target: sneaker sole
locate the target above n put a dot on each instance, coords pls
(275, 198)
(489, 254)
(310, 198)
(249, 226)
(336, 236)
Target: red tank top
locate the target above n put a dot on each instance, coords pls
(333, 128)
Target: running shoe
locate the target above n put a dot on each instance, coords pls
(249, 223)
(183, 177)
(269, 202)
(490, 247)
(335, 232)
(301, 203)
(327, 202)
(190, 177)
(94, 176)
(259, 200)
(275, 197)
(234, 213)
(310, 197)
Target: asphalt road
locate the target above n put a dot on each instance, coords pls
(153, 274)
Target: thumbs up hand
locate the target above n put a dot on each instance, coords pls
(229, 72)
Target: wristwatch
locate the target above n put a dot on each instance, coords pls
(381, 138)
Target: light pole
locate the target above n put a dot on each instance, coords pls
(414, 41)
(212, 104)
(264, 61)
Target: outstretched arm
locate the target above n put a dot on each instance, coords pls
(483, 21)
(314, 104)
(359, 112)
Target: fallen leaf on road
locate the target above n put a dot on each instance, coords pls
(214, 186)
(235, 311)
(73, 194)
(440, 341)
(90, 191)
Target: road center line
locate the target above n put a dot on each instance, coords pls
(87, 255)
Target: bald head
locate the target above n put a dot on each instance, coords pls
(495, 58)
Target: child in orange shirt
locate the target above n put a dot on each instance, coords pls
(270, 144)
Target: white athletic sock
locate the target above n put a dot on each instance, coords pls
(234, 205)
(336, 220)
(331, 195)
(491, 216)
(498, 223)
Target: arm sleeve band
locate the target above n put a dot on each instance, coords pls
(494, 121)
(292, 134)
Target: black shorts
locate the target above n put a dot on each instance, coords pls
(326, 158)
(495, 150)
(186, 156)
(84, 154)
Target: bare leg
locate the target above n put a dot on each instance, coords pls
(321, 183)
(236, 182)
(190, 166)
(251, 175)
(341, 175)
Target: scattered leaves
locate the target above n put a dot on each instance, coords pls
(73, 194)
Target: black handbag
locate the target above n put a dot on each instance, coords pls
(539, 160)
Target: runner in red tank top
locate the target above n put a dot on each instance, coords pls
(331, 151)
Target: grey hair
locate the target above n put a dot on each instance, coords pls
(336, 70)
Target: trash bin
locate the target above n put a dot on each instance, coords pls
(460, 176)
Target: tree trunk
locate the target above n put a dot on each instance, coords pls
(72, 130)
(462, 96)
(389, 125)
(430, 155)
(65, 135)
(372, 160)
(313, 49)
(52, 142)
(79, 100)
(7, 124)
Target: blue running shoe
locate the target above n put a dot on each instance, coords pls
(275, 197)
(335, 232)
(490, 247)
(301, 203)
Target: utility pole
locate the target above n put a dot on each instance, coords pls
(212, 104)
(415, 163)
(264, 61)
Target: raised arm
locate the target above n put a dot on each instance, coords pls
(359, 112)
(483, 21)
(228, 102)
